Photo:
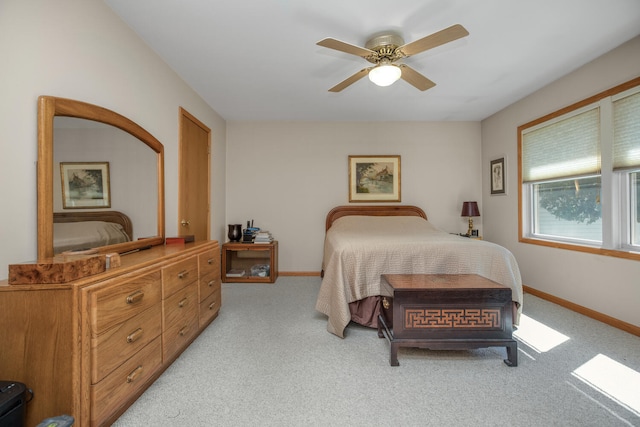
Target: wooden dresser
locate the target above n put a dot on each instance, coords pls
(90, 347)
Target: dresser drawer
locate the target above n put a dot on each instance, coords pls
(114, 304)
(180, 313)
(111, 348)
(208, 285)
(117, 388)
(210, 307)
(209, 263)
(177, 276)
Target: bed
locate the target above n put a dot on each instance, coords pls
(73, 231)
(364, 242)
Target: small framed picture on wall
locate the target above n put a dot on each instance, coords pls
(497, 176)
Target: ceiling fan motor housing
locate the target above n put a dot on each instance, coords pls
(385, 45)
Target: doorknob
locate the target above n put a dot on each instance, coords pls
(185, 223)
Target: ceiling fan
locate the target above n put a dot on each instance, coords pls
(385, 49)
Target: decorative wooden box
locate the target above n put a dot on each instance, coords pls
(59, 269)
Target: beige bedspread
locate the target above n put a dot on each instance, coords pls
(86, 234)
(358, 249)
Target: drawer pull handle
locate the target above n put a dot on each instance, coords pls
(135, 297)
(213, 304)
(134, 374)
(211, 282)
(183, 302)
(133, 336)
(210, 261)
(183, 331)
(385, 303)
(183, 274)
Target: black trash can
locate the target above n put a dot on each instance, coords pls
(13, 403)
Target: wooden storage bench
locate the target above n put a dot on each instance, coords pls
(446, 312)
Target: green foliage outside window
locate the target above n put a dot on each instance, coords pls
(572, 200)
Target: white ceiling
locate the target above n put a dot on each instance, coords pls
(257, 59)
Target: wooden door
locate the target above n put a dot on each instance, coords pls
(194, 177)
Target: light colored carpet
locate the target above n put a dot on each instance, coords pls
(269, 361)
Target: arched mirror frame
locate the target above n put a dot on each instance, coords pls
(50, 107)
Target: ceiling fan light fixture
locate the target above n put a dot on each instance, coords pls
(385, 74)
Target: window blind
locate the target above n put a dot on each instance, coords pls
(567, 148)
(626, 130)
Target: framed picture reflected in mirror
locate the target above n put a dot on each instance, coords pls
(85, 185)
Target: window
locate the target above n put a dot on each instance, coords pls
(580, 175)
(634, 211)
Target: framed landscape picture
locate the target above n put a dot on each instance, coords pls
(374, 178)
(85, 185)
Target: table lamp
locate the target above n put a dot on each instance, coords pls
(470, 209)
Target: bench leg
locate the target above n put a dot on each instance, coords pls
(393, 358)
(512, 354)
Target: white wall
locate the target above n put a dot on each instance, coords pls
(605, 284)
(288, 175)
(80, 49)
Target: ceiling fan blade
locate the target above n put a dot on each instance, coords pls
(415, 79)
(345, 47)
(351, 80)
(447, 35)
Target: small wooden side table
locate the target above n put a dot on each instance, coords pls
(249, 262)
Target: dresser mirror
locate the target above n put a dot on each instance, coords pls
(96, 168)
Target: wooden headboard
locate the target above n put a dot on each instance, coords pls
(107, 216)
(383, 210)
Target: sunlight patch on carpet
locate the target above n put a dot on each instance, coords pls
(537, 335)
(613, 379)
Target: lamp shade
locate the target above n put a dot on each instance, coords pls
(470, 209)
(385, 75)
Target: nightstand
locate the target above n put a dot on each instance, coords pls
(249, 262)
